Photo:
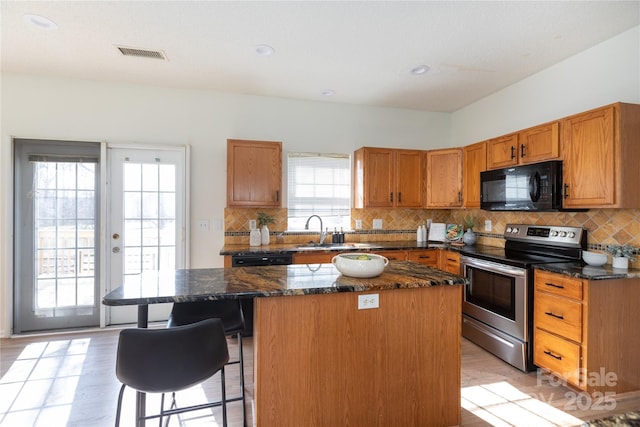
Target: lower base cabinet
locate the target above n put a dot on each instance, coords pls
(320, 361)
(585, 331)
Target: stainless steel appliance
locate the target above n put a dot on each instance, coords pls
(498, 303)
(534, 187)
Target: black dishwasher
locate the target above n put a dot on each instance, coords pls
(250, 260)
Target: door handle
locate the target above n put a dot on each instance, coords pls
(115, 250)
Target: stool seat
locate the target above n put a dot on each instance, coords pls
(229, 311)
(170, 360)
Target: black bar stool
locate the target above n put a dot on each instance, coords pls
(170, 360)
(227, 310)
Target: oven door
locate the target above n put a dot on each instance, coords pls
(497, 295)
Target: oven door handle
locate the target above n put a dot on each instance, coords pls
(493, 267)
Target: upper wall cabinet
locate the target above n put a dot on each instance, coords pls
(444, 178)
(601, 149)
(254, 173)
(385, 177)
(475, 161)
(531, 145)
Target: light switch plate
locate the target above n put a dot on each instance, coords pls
(203, 225)
(487, 225)
(252, 224)
(358, 224)
(377, 224)
(368, 301)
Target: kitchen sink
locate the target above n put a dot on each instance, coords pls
(335, 246)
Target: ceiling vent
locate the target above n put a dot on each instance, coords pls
(142, 53)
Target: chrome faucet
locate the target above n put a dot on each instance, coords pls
(323, 234)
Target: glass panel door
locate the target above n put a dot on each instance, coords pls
(57, 226)
(146, 219)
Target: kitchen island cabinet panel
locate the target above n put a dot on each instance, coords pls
(325, 363)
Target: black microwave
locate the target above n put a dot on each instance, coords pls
(534, 187)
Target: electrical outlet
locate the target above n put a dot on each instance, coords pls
(203, 225)
(487, 225)
(358, 224)
(368, 301)
(252, 224)
(377, 224)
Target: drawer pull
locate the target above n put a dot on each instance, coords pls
(553, 285)
(425, 257)
(557, 316)
(555, 356)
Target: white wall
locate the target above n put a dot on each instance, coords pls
(604, 74)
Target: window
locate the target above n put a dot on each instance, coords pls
(319, 184)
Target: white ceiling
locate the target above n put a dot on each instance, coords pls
(362, 50)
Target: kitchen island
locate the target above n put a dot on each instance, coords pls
(321, 360)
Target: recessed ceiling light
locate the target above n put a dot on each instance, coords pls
(420, 69)
(328, 92)
(265, 50)
(40, 21)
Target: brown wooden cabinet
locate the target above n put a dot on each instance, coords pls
(444, 178)
(424, 256)
(532, 145)
(385, 177)
(586, 331)
(254, 173)
(475, 161)
(323, 257)
(449, 261)
(313, 257)
(601, 152)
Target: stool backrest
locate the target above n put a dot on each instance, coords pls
(166, 360)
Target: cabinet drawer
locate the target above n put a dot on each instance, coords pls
(393, 255)
(559, 315)
(557, 355)
(428, 257)
(558, 284)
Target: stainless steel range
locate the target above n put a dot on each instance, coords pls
(498, 303)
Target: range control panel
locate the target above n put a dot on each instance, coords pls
(548, 234)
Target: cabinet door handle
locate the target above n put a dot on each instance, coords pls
(553, 285)
(565, 193)
(459, 196)
(555, 356)
(399, 196)
(522, 150)
(391, 197)
(277, 195)
(557, 316)
(513, 152)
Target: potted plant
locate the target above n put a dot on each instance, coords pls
(264, 220)
(621, 255)
(469, 237)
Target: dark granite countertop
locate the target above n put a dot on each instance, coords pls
(581, 271)
(280, 248)
(154, 287)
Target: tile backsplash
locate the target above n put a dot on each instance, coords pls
(604, 226)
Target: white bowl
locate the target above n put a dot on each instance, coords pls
(594, 258)
(360, 265)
